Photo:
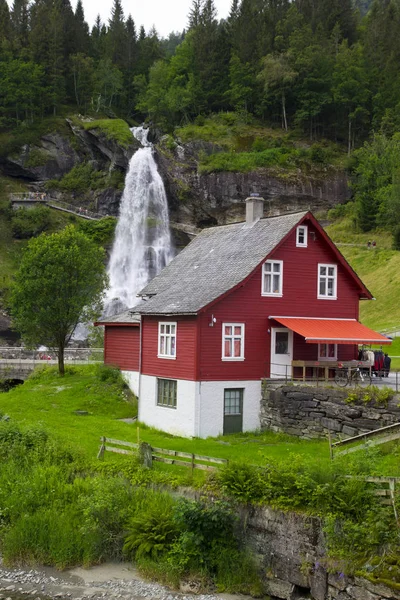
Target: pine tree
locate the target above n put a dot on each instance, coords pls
(5, 24)
(130, 64)
(81, 30)
(117, 35)
(97, 39)
(195, 14)
(20, 22)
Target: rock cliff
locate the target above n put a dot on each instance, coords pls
(195, 199)
(217, 198)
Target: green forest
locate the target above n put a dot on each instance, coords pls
(328, 69)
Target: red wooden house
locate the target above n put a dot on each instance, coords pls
(240, 303)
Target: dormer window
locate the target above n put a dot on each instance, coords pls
(301, 236)
(272, 278)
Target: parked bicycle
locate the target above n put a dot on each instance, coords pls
(357, 376)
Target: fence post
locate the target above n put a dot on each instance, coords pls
(146, 455)
(330, 444)
(102, 448)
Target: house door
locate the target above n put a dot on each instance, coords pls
(233, 410)
(281, 352)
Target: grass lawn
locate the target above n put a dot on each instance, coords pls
(50, 402)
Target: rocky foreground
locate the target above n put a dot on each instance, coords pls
(97, 583)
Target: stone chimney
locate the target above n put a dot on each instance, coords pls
(254, 209)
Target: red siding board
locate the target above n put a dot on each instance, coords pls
(121, 347)
(184, 366)
(246, 305)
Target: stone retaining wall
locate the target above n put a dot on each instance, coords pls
(291, 552)
(311, 412)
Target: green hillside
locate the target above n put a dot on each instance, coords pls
(379, 268)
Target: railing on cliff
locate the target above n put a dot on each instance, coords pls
(42, 198)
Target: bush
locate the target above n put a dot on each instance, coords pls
(152, 530)
(101, 232)
(243, 482)
(27, 223)
(396, 238)
(319, 154)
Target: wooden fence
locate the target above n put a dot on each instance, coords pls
(171, 457)
(369, 439)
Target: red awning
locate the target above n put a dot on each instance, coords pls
(332, 331)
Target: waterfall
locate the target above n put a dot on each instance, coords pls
(142, 245)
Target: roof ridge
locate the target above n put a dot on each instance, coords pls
(243, 222)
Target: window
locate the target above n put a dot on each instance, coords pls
(327, 277)
(272, 278)
(166, 392)
(281, 342)
(233, 401)
(301, 236)
(327, 351)
(167, 340)
(232, 341)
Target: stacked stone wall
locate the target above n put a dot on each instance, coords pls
(311, 412)
(290, 548)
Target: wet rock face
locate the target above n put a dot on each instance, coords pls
(217, 198)
(51, 158)
(201, 200)
(55, 154)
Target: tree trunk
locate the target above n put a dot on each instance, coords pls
(349, 141)
(76, 88)
(284, 110)
(61, 369)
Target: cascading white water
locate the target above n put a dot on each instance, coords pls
(142, 245)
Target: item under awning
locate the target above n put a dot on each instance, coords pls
(332, 331)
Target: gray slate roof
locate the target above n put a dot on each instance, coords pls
(216, 261)
(128, 316)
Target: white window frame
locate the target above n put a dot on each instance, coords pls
(302, 229)
(271, 273)
(232, 338)
(334, 357)
(165, 332)
(327, 277)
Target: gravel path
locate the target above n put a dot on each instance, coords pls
(114, 581)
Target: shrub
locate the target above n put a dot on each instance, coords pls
(109, 374)
(243, 482)
(101, 232)
(27, 223)
(152, 530)
(319, 154)
(36, 158)
(396, 238)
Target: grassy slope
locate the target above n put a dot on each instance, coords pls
(50, 402)
(379, 268)
(248, 146)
